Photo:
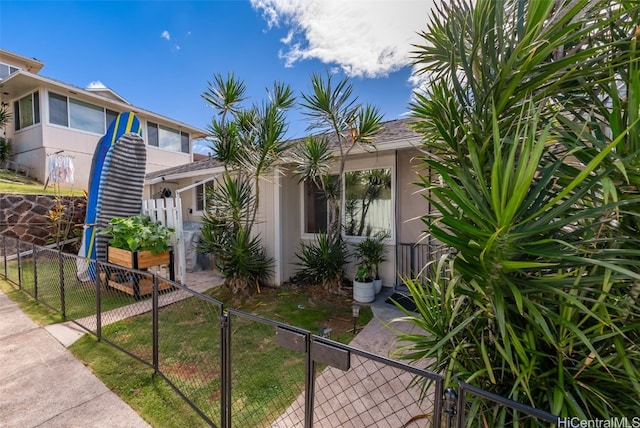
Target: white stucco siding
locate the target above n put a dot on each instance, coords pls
(266, 220)
(411, 203)
(291, 224)
(159, 159)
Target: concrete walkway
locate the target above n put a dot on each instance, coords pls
(43, 385)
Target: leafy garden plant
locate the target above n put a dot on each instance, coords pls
(138, 233)
(371, 252)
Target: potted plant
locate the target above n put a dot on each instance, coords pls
(372, 252)
(363, 289)
(137, 242)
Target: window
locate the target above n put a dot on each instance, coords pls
(6, 70)
(167, 138)
(367, 203)
(316, 211)
(152, 134)
(78, 114)
(58, 112)
(201, 195)
(111, 116)
(368, 206)
(86, 117)
(27, 111)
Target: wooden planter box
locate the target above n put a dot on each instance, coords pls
(137, 259)
(136, 285)
(144, 286)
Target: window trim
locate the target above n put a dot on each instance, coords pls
(352, 238)
(157, 144)
(35, 111)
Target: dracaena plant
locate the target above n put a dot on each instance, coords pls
(524, 131)
(249, 141)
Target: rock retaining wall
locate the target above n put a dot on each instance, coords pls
(29, 217)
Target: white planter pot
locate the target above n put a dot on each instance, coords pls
(363, 292)
(377, 285)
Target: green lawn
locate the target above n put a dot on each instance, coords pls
(19, 184)
(266, 378)
(79, 297)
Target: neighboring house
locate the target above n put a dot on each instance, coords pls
(52, 118)
(292, 211)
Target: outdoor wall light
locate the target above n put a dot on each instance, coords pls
(355, 312)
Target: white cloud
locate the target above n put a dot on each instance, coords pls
(364, 38)
(96, 85)
(165, 35)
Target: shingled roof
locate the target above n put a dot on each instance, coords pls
(397, 132)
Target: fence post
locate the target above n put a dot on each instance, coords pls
(154, 316)
(450, 401)
(63, 306)
(98, 300)
(35, 271)
(310, 369)
(19, 258)
(225, 363)
(4, 254)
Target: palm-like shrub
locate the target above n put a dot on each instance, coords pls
(249, 141)
(323, 261)
(242, 260)
(540, 302)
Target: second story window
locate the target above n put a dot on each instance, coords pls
(27, 111)
(78, 114)
(167, 138)
(6, 70)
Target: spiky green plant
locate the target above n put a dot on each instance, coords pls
(539, 302)
(249, 141)
(332, 108)
(323, 261)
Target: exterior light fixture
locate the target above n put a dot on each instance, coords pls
(355, 313)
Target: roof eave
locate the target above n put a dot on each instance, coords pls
(196, 133)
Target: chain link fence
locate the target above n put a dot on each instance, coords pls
(237, 369)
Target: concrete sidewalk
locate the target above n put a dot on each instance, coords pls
(43, 385)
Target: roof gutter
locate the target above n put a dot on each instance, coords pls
(188, 174)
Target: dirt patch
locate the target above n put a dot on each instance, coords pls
(191, 371)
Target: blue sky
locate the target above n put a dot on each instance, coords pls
(160, 55)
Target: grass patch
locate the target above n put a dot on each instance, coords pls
(79, 297)
(19, 184)
(134, 382)
(266, 378)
